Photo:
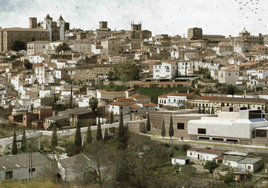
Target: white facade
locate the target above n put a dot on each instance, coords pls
(201, 155)
(165, 71)
(179, 161)
(36, 47)
(228, 76)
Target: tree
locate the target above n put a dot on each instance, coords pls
(102, 159)
(78, 136)
(228, 178)
(163, 129)
(99, 134)
(199, 110)
(204, 110)
(110, 75)
(24, 142)
(230, 90)
(14, 150)
(212, 110)
(211, 166)
(62, 48)
(89, 135)
(126, 71)
(54, 137)
(121, 130)
(171, 129)
(188, 176)
(148, 125)
(27, 64)
(18, 45)
(112, 118)
(71, 99)
(93, 103)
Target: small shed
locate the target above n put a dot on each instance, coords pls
(250, 164)
(181, 160)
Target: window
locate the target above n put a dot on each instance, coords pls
(229, 74)
(201, 131)
(33, 170)
(121, 107)
(180, 126)
(9, 175)
(249, 167)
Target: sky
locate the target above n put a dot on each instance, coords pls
(173, 17)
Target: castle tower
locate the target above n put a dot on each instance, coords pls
(32, 22)
(61, 24)
(136, 27)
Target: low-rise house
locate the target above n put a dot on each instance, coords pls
(16, 167)
(181, 160)
(250, 164)
(58, 120)
(203, 154)
(231, 160)
(175, 99)
(165, 70)
(228, 76)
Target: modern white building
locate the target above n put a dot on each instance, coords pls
(245, 127)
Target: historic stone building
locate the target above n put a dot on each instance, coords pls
(195, 33)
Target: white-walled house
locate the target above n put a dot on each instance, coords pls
(181, 160)
(228, 76)
(165, 70)
(175, 99)
(117, 108)
(203, 154)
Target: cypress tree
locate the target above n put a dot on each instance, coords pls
(212, 110)
(106, 135)
(112, 118)
(24, 142)
(89, 135)
(199, 110)
(148, 125)
(71, 99)
(171, 130)
(99, 134)
(54, 137)
(121, 131)
(163, 129)
(78, 137)
(204, 110)
(14, 150)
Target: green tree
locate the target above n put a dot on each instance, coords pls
(99, 134)
(27, 64)
(148, 125)
(126, 71)
(230, 90)
(212, 110)
(62, 48)
(199, 110)
(204, 110)
(93, 103)
(18, 45)
(54, 137)
(110, 75)
(211, 166)
(121, 129)
(171, 129)
(78, 136)
(89, 134)
(112, 118)
(228, 179)
(24, 142)
(14, 150)
(163, 129)
(71, 99)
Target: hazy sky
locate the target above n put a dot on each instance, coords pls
(160, 16)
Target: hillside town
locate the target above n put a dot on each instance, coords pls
(126, 108)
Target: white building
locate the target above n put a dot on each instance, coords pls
(203, 154)
(249, 125)
(180, 160)
(36, 47)
(175, 99)
(165, 70)
(228, 76)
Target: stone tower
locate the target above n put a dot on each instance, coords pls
(103, 25)
(47, 25)
(32, 22)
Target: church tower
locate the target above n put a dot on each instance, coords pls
(48, 25)
(61, 25)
